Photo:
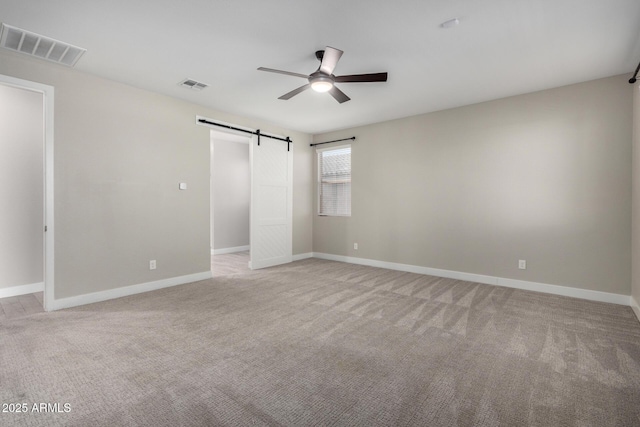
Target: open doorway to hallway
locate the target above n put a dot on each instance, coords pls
(230, 195)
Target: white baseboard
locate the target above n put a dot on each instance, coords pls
(410, 268)
(489, 280)
(566, 291)
(636, 307)
(299, 257)
(69, 302)
(21, 290)
(230, 250)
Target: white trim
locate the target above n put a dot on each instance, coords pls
(489, 280)
(218, 135)
(334, 147)
(49, 239)
(636, 307)
(211, 195)
(21, 290)
(232, 250)
(129, 290)
(566, 291)
(48, 249)
(299, 257)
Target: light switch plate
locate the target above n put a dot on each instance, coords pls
(182, 186)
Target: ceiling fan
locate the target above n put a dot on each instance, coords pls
(323, 80)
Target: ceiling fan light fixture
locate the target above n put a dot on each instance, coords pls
(321, 82)
(321, 86)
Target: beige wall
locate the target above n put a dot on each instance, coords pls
(120, 153)
(544, 177)
(231, 192)
(635, 284)
(21, 187)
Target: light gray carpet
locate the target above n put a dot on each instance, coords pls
(325, 343)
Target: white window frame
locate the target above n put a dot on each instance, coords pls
(319, 179)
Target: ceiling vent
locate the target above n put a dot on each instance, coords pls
(193, 84)
(33, 44)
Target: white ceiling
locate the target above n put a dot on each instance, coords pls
(501, 48)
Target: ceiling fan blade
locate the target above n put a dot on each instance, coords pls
(339, 95)
(362, 78)
(330, 59)
(295, 92)
(288, 73)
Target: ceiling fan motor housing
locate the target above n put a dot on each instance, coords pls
(319, 76)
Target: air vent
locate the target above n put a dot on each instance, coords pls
(33, 44)
(193, 84)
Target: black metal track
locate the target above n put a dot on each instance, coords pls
(353, 138)
(632, 80)
(256, 132)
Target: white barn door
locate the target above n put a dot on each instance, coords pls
(271, 202)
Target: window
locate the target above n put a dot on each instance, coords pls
(334, 181)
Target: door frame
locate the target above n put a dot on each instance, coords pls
(48, 177)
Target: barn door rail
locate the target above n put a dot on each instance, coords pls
(252, 132)
(632, 80)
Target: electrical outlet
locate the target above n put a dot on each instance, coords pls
(152, 264)
(522, 264)
(355, 246)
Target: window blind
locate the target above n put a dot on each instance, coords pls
(334, 181)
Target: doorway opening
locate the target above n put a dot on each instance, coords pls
(230, 201)
(26, 216)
